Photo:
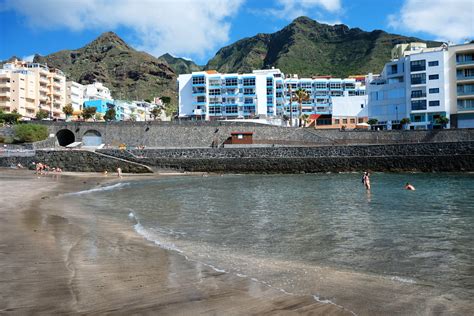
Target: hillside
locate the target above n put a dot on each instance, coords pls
(307, 48)
(128, 73)
(179, 65)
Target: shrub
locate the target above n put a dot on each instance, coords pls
(30, 133)
(9, 118)
(42, 114)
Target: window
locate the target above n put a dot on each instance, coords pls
(201, 99)
(434, 90)
(433, 77)
(433, 63)
(230, 82)
(434, 103)
(231, 110)
(269, 91)
(269, 82)
(214, 92)
(360, 120)
(336, 121)
(344, 121)
(248, 101)
(353, 121)
(418, 105)
(249, 82)
(361, 105)
(199, 80)
(418, 94)
(418, 65)
(321, 85)
(418, 78)
(214, 110)
(248, 91)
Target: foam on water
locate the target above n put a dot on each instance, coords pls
(403, 280)
(101, 189)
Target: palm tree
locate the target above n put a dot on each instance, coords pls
(442, 120)
(300, 96)
(68, 110)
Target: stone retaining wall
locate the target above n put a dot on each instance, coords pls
(457, 156)
(205, 134)
(77, 160)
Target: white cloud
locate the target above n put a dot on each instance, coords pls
(446, 20)
(291, 9)
(189, 27)
(28, 58)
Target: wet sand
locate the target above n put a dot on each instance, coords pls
(60, 259)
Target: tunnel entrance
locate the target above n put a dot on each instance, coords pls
(92, 138)
(65, 137)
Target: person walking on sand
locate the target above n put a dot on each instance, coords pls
(119, 172)
(409, 187)
(366, 180)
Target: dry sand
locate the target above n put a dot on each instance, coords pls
(57, 259)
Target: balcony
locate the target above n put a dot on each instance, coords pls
(465, 94)
(465, 78)
(199, 102)
(5, 93)
(468, 62)
(417, 68)
(418, 95)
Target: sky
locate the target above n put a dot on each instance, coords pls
(196, 29)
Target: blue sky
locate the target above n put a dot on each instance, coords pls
(196, 29)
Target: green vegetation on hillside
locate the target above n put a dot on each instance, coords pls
(308, 48)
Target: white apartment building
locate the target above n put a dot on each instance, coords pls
(75, 95)
(423, 84)
(28, 87)
(209, 95)
(96, 91)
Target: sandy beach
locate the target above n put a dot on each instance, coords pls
(58, 259)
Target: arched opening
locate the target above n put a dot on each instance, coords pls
(92, 138)
(65, 137)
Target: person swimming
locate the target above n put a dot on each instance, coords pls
(366, 180)
(409, 187)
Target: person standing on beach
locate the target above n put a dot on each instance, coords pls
(366, 180)
(119, 172)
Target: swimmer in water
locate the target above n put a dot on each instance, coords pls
(409, 187)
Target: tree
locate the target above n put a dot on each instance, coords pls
(166, 100)
(405, 121)
(98, 117)
(68, 110)
(442, 120)
(304, 118)
(300, 96)
(372, 121)
(110, 114)
(156, 112)
(89, 112)
(9, 118)
(42, 114)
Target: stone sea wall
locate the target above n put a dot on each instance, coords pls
(77, 160)
(454, 156)
(204, 134)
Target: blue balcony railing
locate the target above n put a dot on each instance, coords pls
(463, 77)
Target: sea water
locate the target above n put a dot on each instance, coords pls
(251, 224)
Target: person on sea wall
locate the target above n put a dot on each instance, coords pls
(409, 187)
(119, 172)
(366, 180)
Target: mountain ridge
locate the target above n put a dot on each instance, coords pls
(308, 48)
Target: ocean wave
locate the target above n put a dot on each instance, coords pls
(100, 189)
(326, 301)
(403, 280)
(142, 231)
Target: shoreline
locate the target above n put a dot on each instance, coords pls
(104, 265)
(64, 261)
